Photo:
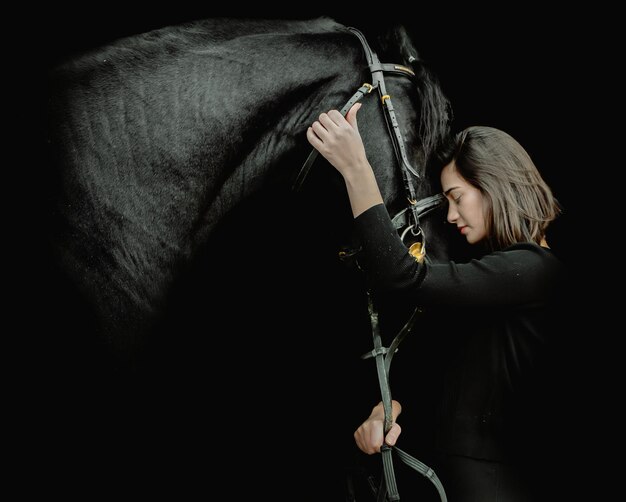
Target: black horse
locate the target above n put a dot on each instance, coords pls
(188, 272)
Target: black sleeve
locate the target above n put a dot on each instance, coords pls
(521, 275)
(384, 257)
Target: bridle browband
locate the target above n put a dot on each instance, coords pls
(409, 220)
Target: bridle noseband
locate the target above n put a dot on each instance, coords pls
(408, 220)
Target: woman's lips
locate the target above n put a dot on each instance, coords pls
(462, 229)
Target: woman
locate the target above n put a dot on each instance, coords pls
(503, 300)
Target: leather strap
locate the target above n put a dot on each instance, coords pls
(304, 170)
(377, 70)
(378, 80)
(388, 489)
(422, 206)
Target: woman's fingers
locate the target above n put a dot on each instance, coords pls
(324, 128)
(319, 130)
(368, 440)
(332, 120)
(393, 434)
(369, 436)
(336, 117)
(351, 115)
(325, 120)
(313, 138)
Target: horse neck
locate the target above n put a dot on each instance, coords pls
(199, 116)
(157, 137)
(279, 84)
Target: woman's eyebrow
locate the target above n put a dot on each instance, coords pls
(449, 190)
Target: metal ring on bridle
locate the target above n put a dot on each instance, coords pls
(415, 234)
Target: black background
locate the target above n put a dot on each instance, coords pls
(523, 71)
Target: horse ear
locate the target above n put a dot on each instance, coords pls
(395, 45)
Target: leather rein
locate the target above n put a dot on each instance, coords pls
(407, 220)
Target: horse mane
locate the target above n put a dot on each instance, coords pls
(223, 29)
(188, 34)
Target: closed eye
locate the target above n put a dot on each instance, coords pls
(451, 196)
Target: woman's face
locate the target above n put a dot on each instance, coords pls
(465, 205)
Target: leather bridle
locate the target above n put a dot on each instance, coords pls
(407, 220)
(409, 217)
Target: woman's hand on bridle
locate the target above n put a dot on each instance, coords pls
(338, 140)
(369, 436)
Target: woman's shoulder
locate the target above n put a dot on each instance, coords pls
(532, 251)
(540, 259)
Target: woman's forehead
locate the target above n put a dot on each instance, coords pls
(450, 178)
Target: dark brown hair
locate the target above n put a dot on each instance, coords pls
(519, 203)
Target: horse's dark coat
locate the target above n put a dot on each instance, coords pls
(215, 316)
(155, 138)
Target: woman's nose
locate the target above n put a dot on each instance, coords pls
(452, 214)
